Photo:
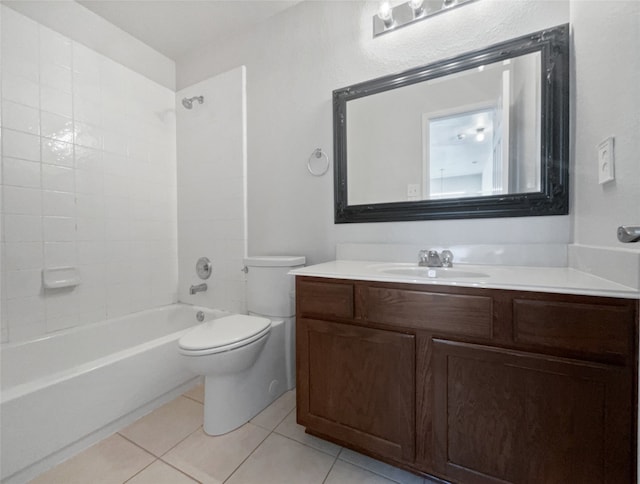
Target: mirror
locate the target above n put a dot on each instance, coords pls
(484, 134)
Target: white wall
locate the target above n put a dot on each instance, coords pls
(295, 61)
(88, 180)
(211, 189)
(78, 23)
(606, 76)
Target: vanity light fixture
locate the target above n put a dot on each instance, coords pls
(391, 18)
(480, 135)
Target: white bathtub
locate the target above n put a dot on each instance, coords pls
(63, 392)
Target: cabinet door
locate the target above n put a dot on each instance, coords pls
(357, 385)
(502, 415)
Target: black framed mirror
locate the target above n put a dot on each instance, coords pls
(483, 134)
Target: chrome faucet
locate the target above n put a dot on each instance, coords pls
(431, 258)
(198, 288)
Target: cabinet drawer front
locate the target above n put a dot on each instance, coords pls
(449, 313)
(592, 328)
(324, 299)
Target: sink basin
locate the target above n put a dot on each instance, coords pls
(431, 272)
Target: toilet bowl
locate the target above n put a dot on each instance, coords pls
(247, 360)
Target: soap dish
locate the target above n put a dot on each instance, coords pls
(58, 277)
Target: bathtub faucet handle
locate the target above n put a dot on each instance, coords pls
(198, 288)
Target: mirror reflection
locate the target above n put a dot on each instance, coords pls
(473, 133)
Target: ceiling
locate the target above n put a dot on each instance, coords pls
(455, 148)
(174, 27)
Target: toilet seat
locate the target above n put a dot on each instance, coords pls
(223, 334)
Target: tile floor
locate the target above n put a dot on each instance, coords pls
(169, 446)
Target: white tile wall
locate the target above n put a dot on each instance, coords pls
(21, 173)
(16, 144)
(212, 190)
(20, 117)
(88, 179)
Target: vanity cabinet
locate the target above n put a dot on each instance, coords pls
(471, 385)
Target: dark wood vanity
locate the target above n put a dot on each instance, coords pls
(471, 385)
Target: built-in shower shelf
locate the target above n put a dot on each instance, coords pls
(59, 277)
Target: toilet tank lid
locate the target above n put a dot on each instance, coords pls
(275, 261)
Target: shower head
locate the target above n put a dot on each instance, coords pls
(188, 103)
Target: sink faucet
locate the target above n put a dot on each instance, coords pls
(431, 258)
(198, 288)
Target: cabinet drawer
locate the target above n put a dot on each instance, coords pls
(593, 328)
(460, 314)
(326, 299)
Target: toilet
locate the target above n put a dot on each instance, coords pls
(247, 360)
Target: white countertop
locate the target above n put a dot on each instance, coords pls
(544, 279)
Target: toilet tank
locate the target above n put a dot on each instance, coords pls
(270, 289)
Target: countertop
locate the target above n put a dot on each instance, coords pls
(562, 280)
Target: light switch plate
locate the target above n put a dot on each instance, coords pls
(413, 191)
(606, 161)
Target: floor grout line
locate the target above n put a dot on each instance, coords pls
(285, 418)
(141, 470)
(165, 452)
(250, 454)
(182, 440)
(273, 431)
(137, 445)
(377, 473)
(180, 470)
(339, 456)
(279, 421)
(330, 469)
(307, 445)
(193, 398)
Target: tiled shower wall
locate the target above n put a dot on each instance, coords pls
(212, 189)
(88, 180)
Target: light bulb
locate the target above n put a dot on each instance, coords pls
(386, 14)
(480, 135)
(416, 6)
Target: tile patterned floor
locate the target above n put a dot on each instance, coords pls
(168, 446)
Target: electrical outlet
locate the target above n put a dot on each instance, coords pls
(606, 161)
(413, 191)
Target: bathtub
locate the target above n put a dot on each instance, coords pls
(61, 393)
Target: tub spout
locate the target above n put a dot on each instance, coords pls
(198, 288)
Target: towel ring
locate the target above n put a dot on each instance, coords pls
(318, 154)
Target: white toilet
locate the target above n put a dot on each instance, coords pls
(247, 361)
